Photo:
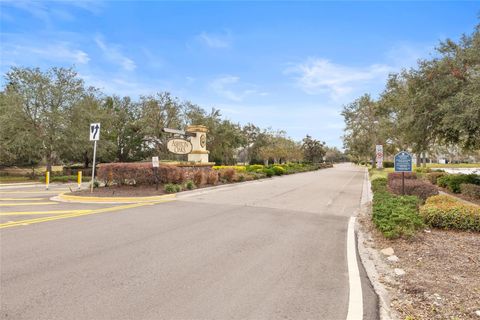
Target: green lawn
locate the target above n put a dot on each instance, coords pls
(453, 165)
(8, 179)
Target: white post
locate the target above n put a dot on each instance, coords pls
(93, 168)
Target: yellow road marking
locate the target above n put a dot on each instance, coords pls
(27, 204)
(72, 215)
(22, 199)
(18, 213)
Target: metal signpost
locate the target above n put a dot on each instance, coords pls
(403, 163)
(379, 155)
(94, 136)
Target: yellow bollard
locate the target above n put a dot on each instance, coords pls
(47, 178)
(79, 179)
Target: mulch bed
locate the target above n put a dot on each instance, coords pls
(442, 279)
(461, 196)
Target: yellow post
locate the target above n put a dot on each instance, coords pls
(47, 178)
(79, 179)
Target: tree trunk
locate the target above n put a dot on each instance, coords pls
(86, 159)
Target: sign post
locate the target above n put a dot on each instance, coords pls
(155, 165)
(403, 163)
(94, 136)
(379, 155)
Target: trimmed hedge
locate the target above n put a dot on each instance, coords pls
(447, 214)
(453, 181)
(433, 176)
(413, 187)
(470, 190)
(398, 175)
(138, 174)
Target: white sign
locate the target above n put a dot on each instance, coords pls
(155, 163)
(179, 146)
(379, 155)
(94, 131)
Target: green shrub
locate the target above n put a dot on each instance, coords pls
(423, 170)
(388, 164)
(178, 188)
(442, 198)
(470, 190)
(451, 215)
(190, 185)
(453, 181)
(170, 188)
(254, 167)
(379, 185)
(433, 176)
(269, 172)
(396, 216)
(278, 170)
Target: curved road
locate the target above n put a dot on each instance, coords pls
(269, 249)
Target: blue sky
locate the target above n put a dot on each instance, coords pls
(285, 65)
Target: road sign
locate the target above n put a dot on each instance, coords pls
(94, 136)
(379, 155)
(155, 162)
(94, 131)
(403, 162)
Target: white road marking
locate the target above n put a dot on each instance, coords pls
(355, 298)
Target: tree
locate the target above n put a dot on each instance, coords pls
(313, 150)
(43, 99)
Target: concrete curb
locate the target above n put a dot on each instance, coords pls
(111, 200)
(370, 257)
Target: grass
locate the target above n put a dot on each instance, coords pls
(376, 173)
(9, 179)
(453, 165)
(20, 171)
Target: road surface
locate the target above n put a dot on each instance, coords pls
(269, 249)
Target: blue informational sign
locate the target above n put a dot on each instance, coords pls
(403, 162)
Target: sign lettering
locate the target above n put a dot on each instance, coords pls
(179, 146)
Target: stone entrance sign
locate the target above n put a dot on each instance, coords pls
(198, 138)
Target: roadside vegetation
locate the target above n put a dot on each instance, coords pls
(175, 179)
(45, 116)
(397, 215)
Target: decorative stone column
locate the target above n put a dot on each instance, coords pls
(199, 143)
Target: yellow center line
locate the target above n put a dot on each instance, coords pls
(72, 215)
(22, 199)
(18, 213)
(27, 204)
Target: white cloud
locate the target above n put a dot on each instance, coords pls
(114, 55)
(229, 87)
(19, 53)
(216, 41)
(317, 76)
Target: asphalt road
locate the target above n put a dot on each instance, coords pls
(270, 249)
